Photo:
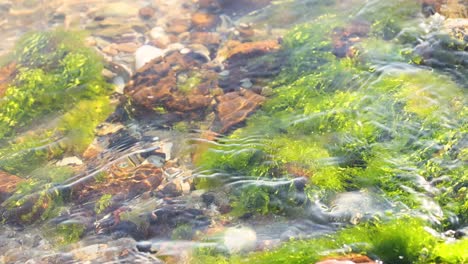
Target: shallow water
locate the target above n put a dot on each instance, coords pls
(224, 131)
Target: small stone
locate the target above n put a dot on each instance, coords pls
(240, 239)
(129, 47)
(146, 12)
(205, 38)
(185, 51)
(107, 74)
(8, 184)
(178, 26)
(145, 54)
(108, 128)
(74, 161)
(157, 32)
(155, 160)
(166, 148)
(267, 91)
(246, 83)
(90, 41)
(93, 150)
(173, 189)
(202, 20)
(110, 50)
(119, 83)
(224, 74)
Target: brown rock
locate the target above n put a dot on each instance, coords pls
(8, 184)
(233, 49)
(126, 182)
(447, 8)
(129, 47)
(178, 26)
(93, 150)
(146, 12)
(156, 84)
(209, 4)
(7, 74)
(344, 38)
(235, 107)
(348, 259)
(454, 8)
(110, 50)
(205, 38)
(202, 20)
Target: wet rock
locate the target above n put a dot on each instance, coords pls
(240, 239)
(167, 218)
(202, 20)
(178, 26)
(245, 31)
(208, 198)
(106, 128)
(234, 49)
(145, 54)
(74, 161)
(127, 182)
(349, 259)
(454, 8)
(206, 38)
(234, 107)
(156, 84)
(354, 207)
(8, 185)
(7, 74)
(115, 10)
(94, 149)
(146, 12)
(457, 28)
(343, 39)
(128, 47)
(241, 7)
(157, 161)
(160, 37)
(209, 4)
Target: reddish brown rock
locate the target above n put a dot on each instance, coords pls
(146, 12)
(344, 38)
(349, 259)
(203, 20)
(234, 49)
(156, 84)
(178, 26)
(205, 38)
(7, 74)
(126, 182)
(8, 184)
(454, 8)
(234, 107)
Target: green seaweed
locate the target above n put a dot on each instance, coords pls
(55, 71)
(400, 241)
(346, 125)
(103, 202)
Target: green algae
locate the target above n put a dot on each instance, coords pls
(102, 204)
(400, 241)
(59, 77)
(374, 121)
(55, 70)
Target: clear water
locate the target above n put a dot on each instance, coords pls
(358, 116)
